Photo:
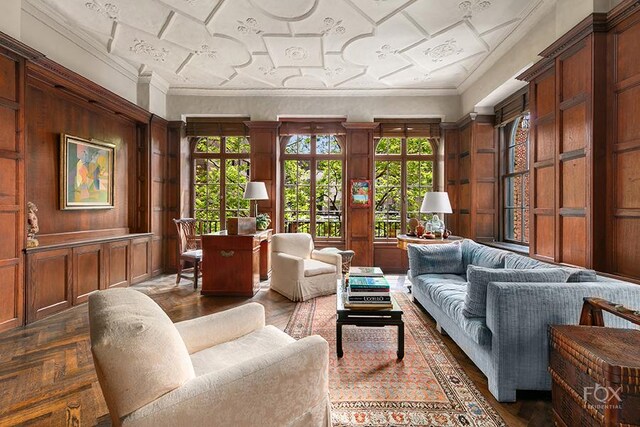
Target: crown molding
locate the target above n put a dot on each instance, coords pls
(155, 80)
(52, 19)
(186, 91)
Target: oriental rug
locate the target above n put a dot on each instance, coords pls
(370, 387)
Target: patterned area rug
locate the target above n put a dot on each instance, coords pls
(370, 387)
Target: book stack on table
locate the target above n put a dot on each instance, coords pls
(368, 292)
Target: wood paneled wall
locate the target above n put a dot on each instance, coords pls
(80, 250)
(12, 203)
(359, 227)
(265, 152)
(623, 147)
(585, 147)
(471, 167)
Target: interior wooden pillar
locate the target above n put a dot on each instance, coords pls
(265, 152)
(159, 178)
(176, 183)
(450, 139)
(359, 224)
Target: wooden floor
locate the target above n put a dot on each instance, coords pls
(46, 367)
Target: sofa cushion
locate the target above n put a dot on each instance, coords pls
(481, 255)
(434, 258)
(479, 277)
(138, 353)
(314, 267)
(425, 280)
(575, 274)
(231, 353)
(296, 244)
(450, 297)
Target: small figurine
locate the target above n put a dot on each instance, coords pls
(32, 225)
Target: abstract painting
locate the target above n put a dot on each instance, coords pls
(87, 172)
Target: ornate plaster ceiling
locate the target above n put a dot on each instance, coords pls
(299, 44)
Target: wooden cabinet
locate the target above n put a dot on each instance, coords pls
(61, 276)
(231, 264)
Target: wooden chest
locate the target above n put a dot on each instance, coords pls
(596, 376)
(241, 225)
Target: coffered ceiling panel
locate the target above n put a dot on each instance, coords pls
(278, 45)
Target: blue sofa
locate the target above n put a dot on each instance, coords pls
(510, 344)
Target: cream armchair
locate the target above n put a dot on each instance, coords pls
(224, 369)
(298, 271)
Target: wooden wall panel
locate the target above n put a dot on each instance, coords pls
(174, 191)
(265, 152)
(49, 283)
(118, 266)
(88, 271)
(51, 114)
(12, 201)
(159, 178)
(623, 149)
(452, 175)
(140, 260)
(359, 225)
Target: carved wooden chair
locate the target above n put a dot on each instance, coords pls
(189, 249)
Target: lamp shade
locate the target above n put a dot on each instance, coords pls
(436, 202)
(255, 190)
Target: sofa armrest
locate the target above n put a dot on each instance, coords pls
(519, 315)
(274, 389)
(213, 329)
(329, 258)
(283, 262)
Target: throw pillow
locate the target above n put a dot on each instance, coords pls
(436, 259)
(475, 303)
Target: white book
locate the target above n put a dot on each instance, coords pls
(366, 271)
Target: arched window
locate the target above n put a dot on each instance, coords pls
(515, 181)
(313, 185)
(403, 174)
(221, 170)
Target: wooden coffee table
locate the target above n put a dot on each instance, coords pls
(370, 317)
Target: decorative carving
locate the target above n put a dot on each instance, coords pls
(386, 51)
(331, 26)
(267, 71)
(332, 72)
(109, 10)
(207, 51)
(249, 26)
(296, 53)
(468, 7)
(32, 225)
(440, 52)
(145, 48)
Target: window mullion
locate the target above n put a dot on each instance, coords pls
(312, 192)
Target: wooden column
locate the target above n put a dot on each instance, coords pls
(158, 178)
(265, 152)
(359, 224)
(450, 139)
(173, 190)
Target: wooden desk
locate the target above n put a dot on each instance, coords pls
(232, 265)
(404, 241)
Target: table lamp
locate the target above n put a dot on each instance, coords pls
(436, 202)
(254, 191)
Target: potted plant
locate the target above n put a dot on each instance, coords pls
(262, 221)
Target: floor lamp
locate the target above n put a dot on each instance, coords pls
(255, 191)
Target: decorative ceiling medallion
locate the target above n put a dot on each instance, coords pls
(267, 71)
(249, 26)
(386, 51)
(470, 6)
(440, 52)
(109, 10)
(331, 26)
(145, 48)
(333, 72)
(296, 53)
(206, 51)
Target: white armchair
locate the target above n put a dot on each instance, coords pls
(298, 271)
(224, 369)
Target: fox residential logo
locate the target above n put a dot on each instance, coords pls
(608, 397)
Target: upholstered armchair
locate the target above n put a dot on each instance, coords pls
(298, 271)
(224, 369)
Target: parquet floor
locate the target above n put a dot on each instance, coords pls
(46, 367)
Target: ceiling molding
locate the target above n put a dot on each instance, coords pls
(189, 91)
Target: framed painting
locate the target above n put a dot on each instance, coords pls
(360, 193)
(86, 173)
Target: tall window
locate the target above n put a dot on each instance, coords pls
(515, 181)
(221, 170)
(313, 168)
(403, 174)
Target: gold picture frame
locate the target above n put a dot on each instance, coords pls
(87, 169)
